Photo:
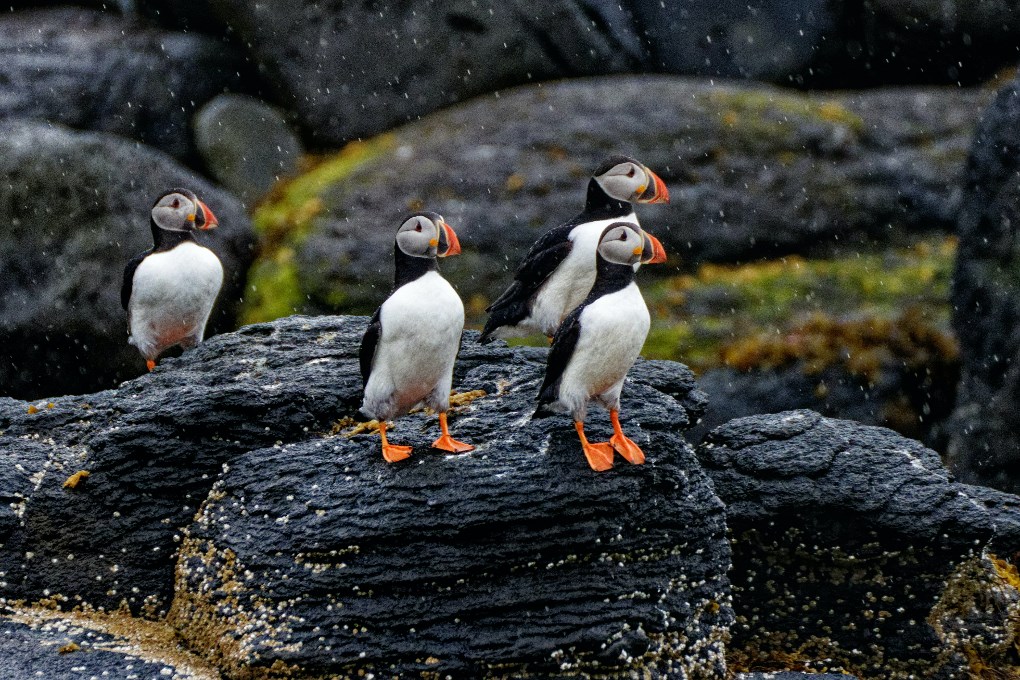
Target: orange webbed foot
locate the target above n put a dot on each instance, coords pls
(600, 456)
(451, 445)
(394, 453)
(626, 447)
(150, 364)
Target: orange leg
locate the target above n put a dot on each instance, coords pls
(150, 364)
(391, 452)
(600, 456)
(448, 443)
(622, 443)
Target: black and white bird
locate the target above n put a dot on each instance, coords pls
(169, 290)
(409, 348)
(597, 344)
(559, 270)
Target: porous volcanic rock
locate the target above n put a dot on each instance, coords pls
(753, 171)
(75, 208)
(844, 538)
(984, 446)
(626, 568)
(99, 71)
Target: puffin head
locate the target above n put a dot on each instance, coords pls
(621, 243)
(426, 234)
(625, 179)
(180, 210)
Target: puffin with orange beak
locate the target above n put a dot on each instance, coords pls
(411, 344)
(169, 290)
(559, 270)
(597, 344)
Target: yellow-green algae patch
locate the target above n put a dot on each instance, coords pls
(283, 221)
(714, 316)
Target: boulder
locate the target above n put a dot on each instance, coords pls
(98, 71)
(246, 144)
(984, 445)
(753, 171)
(75, 208)
(844, 538)
(40, 643)
(428, 563)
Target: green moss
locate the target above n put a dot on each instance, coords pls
(284, 220)
(752, 115)
(696, 317)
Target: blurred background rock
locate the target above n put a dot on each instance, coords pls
(816, 153)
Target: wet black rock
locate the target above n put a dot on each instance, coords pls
(246, 144)
(75, 206)
(984, 447)
(99, 71)
(36, 643)
(844, 537)
(517, 535)
(753, 172)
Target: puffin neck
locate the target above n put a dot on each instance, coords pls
(601, 205)
(165, 239)
(408, 268)
(609, 278)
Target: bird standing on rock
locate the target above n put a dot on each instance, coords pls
(169, 290)
(597, 344)
(559, 270)
(409, 348)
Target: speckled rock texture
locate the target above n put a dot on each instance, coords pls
(35, 643)
(98, 71)
(753, 171)
(984, 446)
(844, 537)
(75, 208)
(428, 563)
(793, 675)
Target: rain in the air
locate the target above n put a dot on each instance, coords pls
(591, 339)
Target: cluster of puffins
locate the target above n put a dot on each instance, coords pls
(576, 284)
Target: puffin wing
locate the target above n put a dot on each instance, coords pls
(129, 277)
(369, 342)
(563, 346)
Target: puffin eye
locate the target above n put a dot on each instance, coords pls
(176, 204)
(623, 236)
(417, 227)
(630, 173)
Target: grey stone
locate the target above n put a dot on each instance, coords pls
(75, 208)
(98, 71)
(246, 144)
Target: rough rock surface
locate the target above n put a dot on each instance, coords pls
(794, 675)
(625, 568)
(246, 144)
(36, 643)
(75, 208)
(97, 71)
(984, 447)
(843, 539)
(752, 171)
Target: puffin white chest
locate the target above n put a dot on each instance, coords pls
(172, 295)
(570, 283)
(422, 322)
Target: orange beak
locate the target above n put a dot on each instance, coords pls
(656, 254)
(453, 244)
(661, 193)
(209, 220)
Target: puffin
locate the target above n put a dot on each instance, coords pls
(559, 270)
(597, 344)
(411, 343)
(169, 290)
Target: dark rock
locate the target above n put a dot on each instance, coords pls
(794, 675)
(97, 71)
(355, 70)
(984, 446)
(753, 172)
(75, 207)
(843, 539)
(246, 144)
(474, 535)
(36, 643)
